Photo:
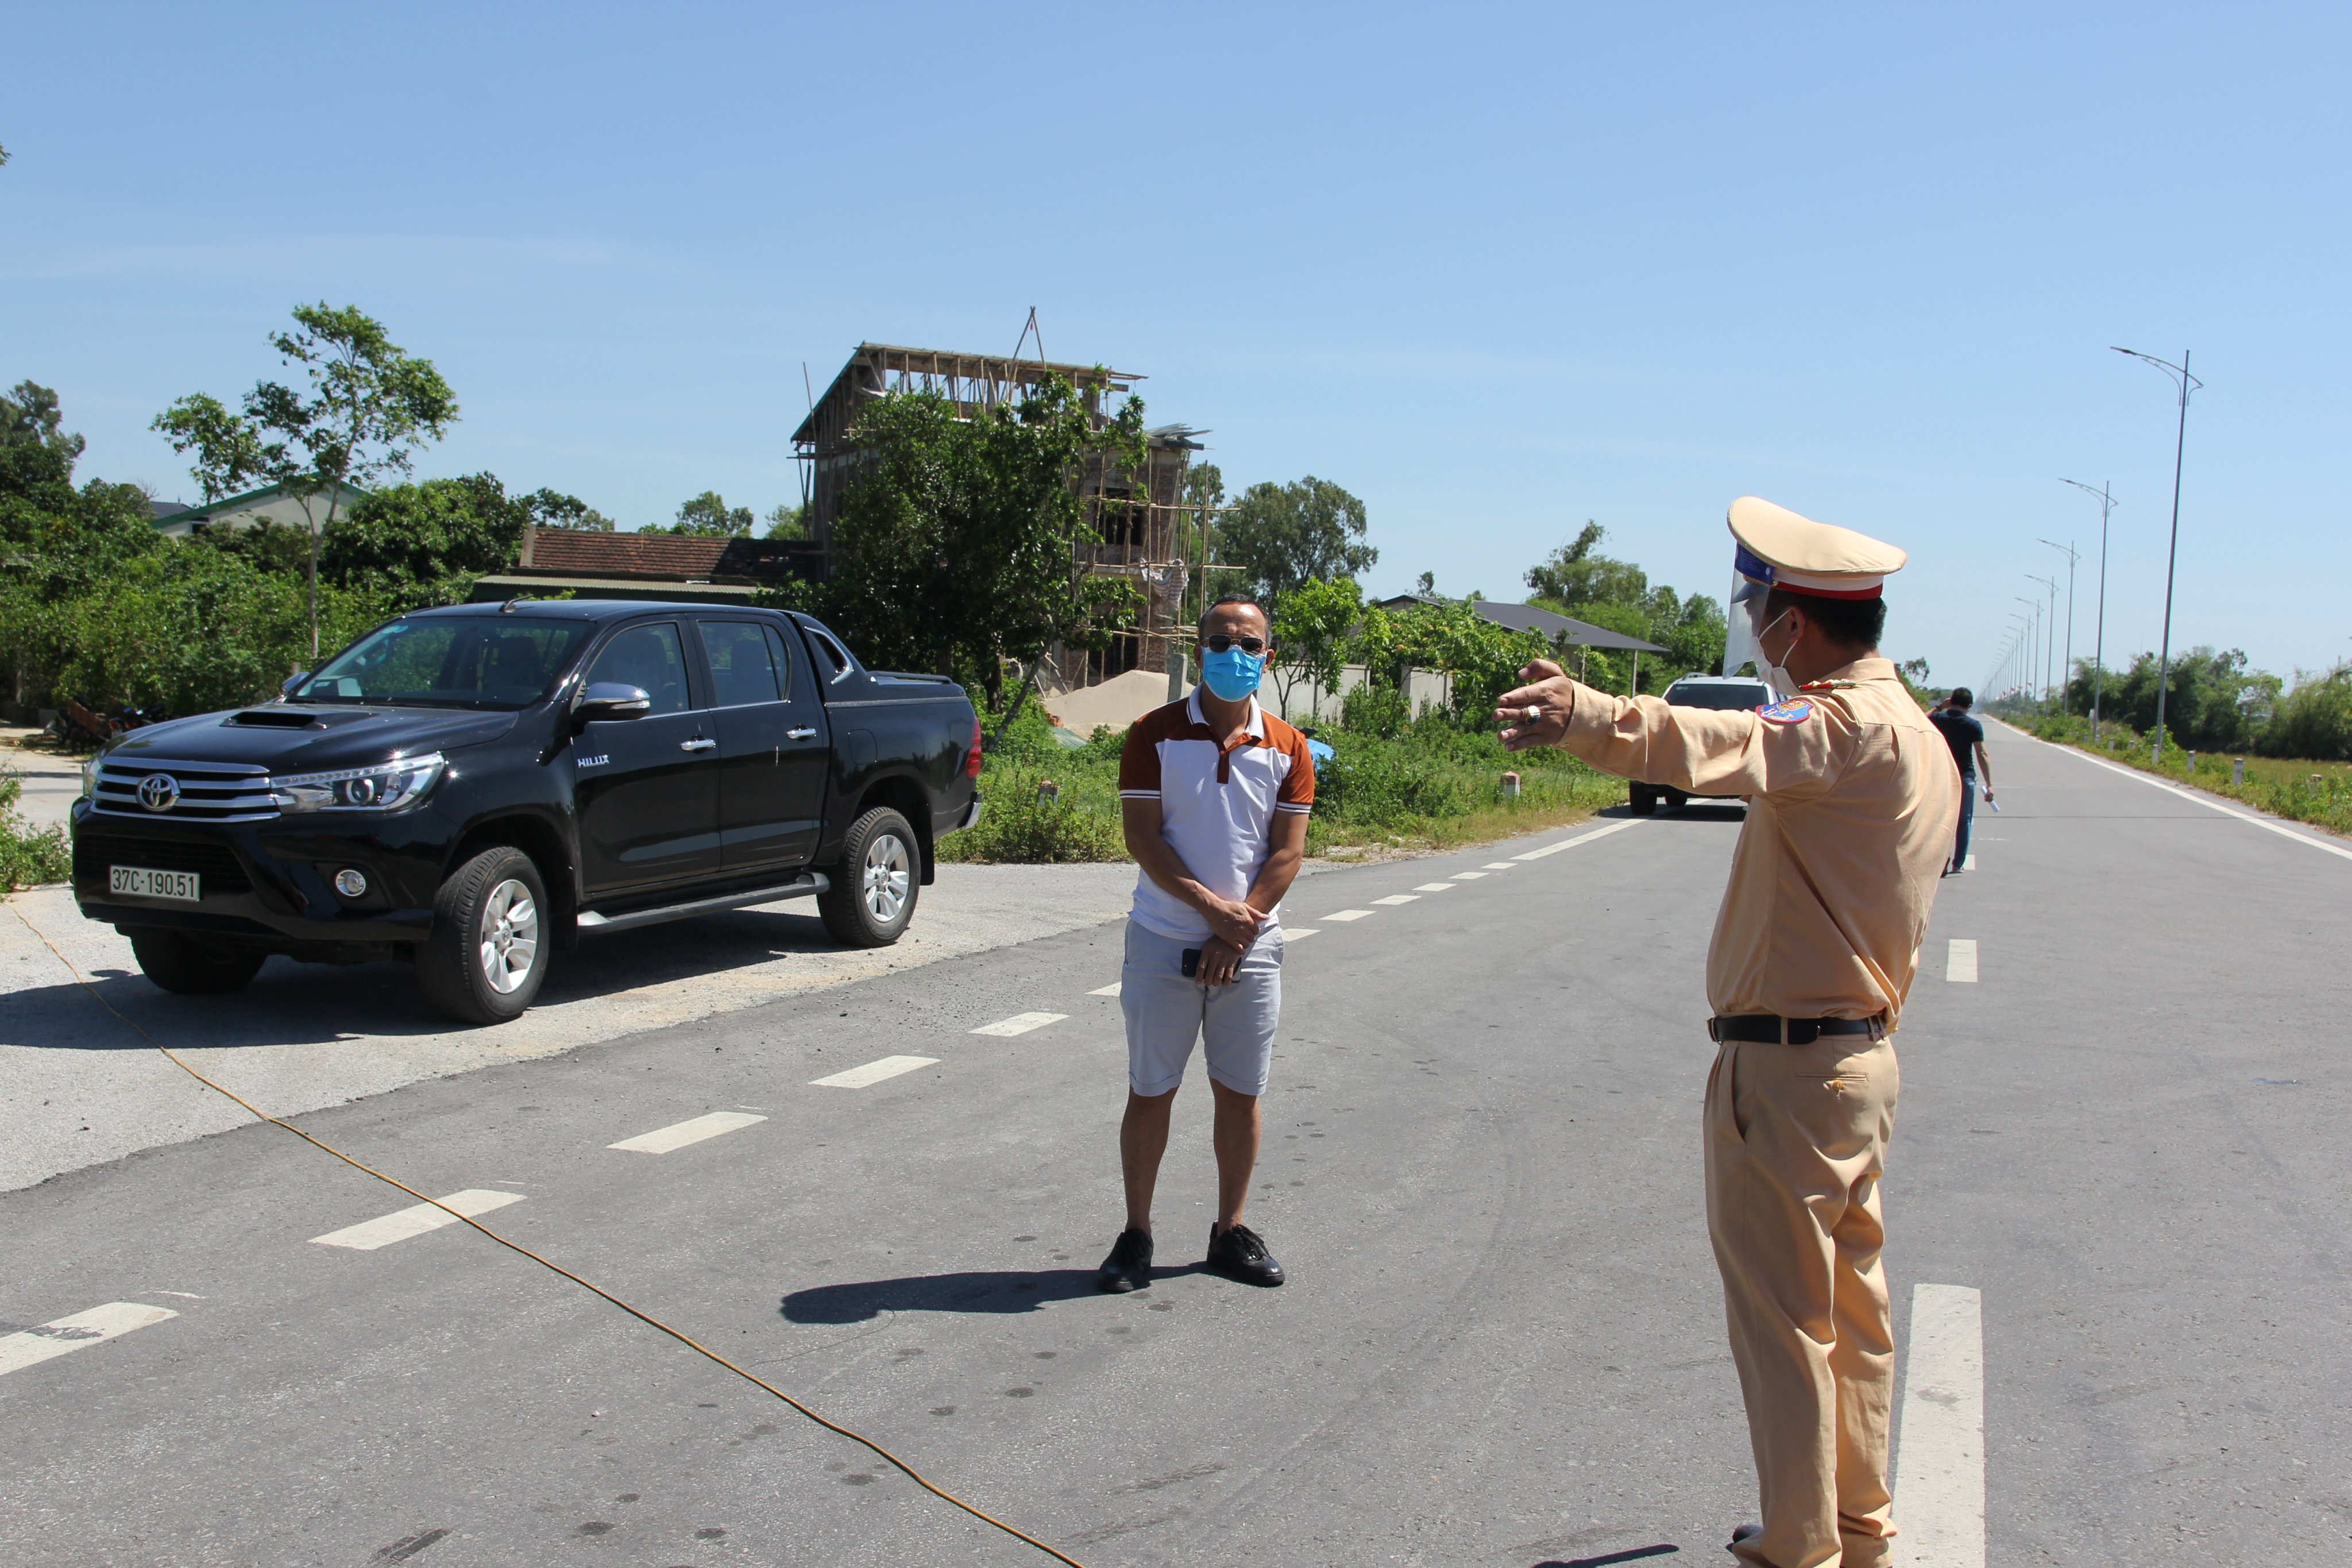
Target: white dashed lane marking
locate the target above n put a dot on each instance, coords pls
(1435, 888)
(873, 1072)
(1290, 935)
(29, 1347)
(1961, 959)
(1971, 863)
(1498, 865)
(1020, 1023)
(1344, 915)
(1109, 990)
(1468, 876)
(1396, 898)
(662, 1140)
(415, 1220)
(1939, 1493)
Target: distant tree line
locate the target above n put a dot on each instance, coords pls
(2214, 701)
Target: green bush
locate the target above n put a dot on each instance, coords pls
(1083, 824)
(29, 855)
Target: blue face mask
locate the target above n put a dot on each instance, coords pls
(1232, 674)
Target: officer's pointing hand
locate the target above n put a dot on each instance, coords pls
(1535, 714)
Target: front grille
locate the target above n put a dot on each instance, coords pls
(216, 863)
(200, 791)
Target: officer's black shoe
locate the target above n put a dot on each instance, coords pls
(1237, 1252)
(1744, 1532)
(1129, 1267)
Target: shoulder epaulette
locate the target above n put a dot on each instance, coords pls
(1828, 686)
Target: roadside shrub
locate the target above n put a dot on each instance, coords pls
(29, 855)
(1082, 826)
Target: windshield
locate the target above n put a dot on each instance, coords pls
(1730, 694)
(508, 661)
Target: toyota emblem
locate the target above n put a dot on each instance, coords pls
(159, 792)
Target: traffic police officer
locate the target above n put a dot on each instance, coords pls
(1852, 801)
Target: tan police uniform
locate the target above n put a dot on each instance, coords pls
(1853, 797)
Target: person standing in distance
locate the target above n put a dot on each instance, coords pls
(1215, 794)
(1964, 732)
(1851, 801)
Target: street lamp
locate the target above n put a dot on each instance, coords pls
(2033, 645)
(2050, 626)
(2098, 648)
(2066, 663)
(2187, 383)
(2021, 650)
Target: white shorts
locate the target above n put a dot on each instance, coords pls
(1165, 1013)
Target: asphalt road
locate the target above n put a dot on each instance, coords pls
(1502, 1341)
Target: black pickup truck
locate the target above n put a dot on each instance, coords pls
(472, 788)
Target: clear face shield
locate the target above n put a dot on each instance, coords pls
(1744, 619)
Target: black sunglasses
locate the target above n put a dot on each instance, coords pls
(1220, 643)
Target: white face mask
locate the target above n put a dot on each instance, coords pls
(1782, 681)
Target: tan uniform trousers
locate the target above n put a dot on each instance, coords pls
(1796, 1139)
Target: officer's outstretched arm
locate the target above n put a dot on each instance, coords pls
(1793, 749)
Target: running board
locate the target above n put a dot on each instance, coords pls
(809, 884)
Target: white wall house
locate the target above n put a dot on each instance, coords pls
(271, 503)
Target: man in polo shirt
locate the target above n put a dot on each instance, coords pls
(1215, 794)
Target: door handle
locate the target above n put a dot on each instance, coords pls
(800, 734)
(697, 744)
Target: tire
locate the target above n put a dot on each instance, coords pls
(875, 883)
(490, 947)
(1676, 799)
(1645, 800)
(185, 967)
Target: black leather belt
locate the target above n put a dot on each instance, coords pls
(1767, 1028)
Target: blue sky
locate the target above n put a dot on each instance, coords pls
(1494, 270)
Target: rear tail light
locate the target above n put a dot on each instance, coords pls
(971, 758)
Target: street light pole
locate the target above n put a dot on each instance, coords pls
(2021, 652)
(2099, 646)
(2049, 635)
(2066, 663)
(2187, 384)
(2033, 644)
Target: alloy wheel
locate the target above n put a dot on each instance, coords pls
(510, 936)
(886, 878)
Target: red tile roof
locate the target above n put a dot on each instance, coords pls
(581, 553)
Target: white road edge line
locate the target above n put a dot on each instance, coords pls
(415, 1220)
(2281, 829)
(1939, 1493)
(1961, 959)
(1580, 838)
(29, 1347)
(1020, 1024)
(1109, 990)
(663, 1139)
(873, 1072)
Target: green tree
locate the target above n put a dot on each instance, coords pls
(371, 406)
(1575, 574)
(707, 516)
(787, 521)
(1311, 629)
(551, 509)
(1285, 536)
(964, 543)
(2314, 719)
(425, 544)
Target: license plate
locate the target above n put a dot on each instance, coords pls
(142, 883)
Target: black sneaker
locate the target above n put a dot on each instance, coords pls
(1237, 1252)
(1129, 1267)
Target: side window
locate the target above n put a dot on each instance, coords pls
(650, 657)
(777, 651)
(740, 664)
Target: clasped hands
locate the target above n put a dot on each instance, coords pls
(1535, 714)
(1233, 925)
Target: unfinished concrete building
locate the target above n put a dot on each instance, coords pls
(1135, 514)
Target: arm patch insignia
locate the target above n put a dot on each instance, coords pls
(1789, 710)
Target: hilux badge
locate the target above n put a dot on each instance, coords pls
(593, 762)
(159, 792)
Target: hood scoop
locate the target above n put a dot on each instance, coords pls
(291, 719)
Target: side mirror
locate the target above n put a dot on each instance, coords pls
(610, 700)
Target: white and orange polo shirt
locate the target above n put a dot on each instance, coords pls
(1217, 803)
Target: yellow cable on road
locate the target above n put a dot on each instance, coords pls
(646, 1318)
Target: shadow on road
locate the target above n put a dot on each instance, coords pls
(1636, 1554)
(979, 1290)
(297, 1003)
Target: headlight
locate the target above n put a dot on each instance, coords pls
(387, 786)
(90, 778)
